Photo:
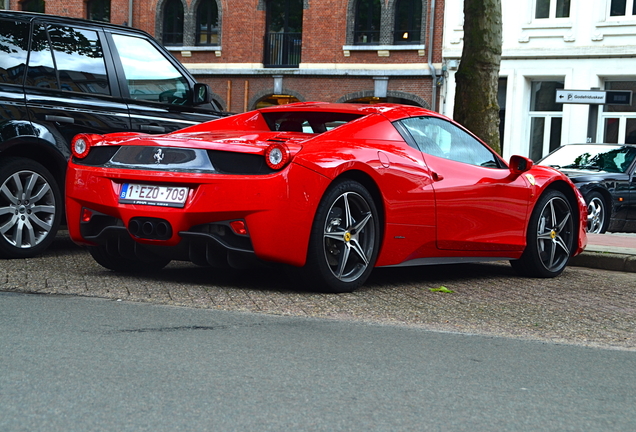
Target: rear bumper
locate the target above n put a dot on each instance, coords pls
(277, 209)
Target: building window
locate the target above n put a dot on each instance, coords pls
(408, 21)
(98, 10)
(173, 23)
(207, 23)
(619, 121)
(622, 7)
(384, 22)
(367, 22)
(33, 6)
(552, 9)
(283, 40)
(546, 118)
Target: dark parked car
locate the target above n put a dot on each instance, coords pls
(60, 77)
(606, 176)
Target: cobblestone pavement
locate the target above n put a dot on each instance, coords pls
(583, 306)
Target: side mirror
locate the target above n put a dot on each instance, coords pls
(520, 164)
(201, 94)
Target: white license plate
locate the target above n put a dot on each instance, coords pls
(166, 196)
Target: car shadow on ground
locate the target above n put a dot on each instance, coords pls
(276, 277)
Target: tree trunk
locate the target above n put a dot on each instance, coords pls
(477, 77)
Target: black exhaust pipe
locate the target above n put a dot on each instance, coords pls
(150, 228)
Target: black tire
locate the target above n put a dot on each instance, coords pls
(550, 238)
(30, 208)
(122, 264)
(345, 239)
(598, 217)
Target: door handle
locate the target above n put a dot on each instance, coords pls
(152, 128)
(436, 176)
(59, 119)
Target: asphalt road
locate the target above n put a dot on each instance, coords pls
(583, 306)
(81, 364)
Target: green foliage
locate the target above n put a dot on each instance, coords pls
(442, 289)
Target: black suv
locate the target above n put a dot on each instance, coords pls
(63, 76)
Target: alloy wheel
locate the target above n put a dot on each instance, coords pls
(555, 234)
(349, 237)
(595, 215)
(27, 209)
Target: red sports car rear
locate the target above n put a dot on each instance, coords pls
(332, 190)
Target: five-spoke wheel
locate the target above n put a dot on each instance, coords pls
(551, 236)
(345, 239)
(30, 208)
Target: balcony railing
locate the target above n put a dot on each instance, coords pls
(282, 49)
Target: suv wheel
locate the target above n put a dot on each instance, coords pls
(30, 208)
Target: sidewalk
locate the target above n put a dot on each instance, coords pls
(610, 251)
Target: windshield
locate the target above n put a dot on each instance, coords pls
(615, 158)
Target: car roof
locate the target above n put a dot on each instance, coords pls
(32, 16)
(391, 111)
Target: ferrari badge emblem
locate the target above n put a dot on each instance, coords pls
(158, 156)
(530, 178)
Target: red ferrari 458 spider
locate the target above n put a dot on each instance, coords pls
(329, 190)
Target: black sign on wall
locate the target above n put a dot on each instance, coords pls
(618, 97)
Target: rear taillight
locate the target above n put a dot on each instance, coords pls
(81, 144)
(277, 156)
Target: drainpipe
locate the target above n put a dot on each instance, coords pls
(431, 31)
(130, 13)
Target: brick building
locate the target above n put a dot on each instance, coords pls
(260, 52)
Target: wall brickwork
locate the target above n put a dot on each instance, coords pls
(327, 32)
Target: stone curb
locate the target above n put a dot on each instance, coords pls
(606, 261)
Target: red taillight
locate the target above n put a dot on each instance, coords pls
(81, 144)
(277, 156)
(239, 227)
(86, 215)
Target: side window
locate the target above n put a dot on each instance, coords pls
(41, 70)
(14, 43)
(78, 56)
(441, 138)
(79, 59)
(149, 75)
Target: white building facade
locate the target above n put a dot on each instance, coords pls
(550, 45)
